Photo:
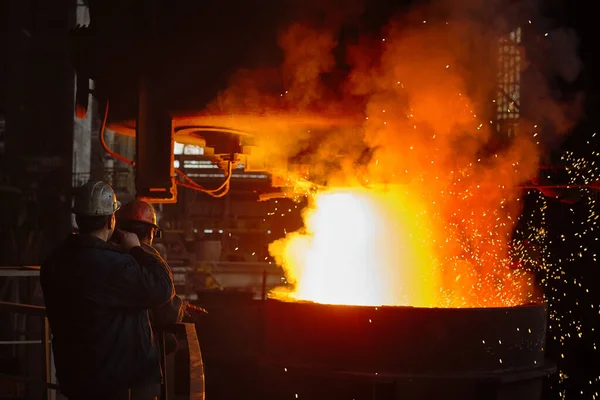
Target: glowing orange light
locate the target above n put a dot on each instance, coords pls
(352, 254)
(383, 246)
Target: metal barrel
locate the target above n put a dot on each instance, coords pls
(330, 352)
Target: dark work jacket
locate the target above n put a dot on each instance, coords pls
(171, 312)
(97, 297)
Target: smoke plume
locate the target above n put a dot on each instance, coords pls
(412, 110)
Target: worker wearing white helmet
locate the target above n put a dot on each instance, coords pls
(95, 207)
(97, 295)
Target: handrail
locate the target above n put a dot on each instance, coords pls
(36, 311)
(21, 271)
(29, 380)
(189, 378)
(26, 309)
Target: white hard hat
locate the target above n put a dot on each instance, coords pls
(96, 198)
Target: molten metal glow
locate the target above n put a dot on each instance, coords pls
(382, 246)
(351, 253)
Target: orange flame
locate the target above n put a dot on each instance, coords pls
(386, 246)
(351, 253)
(425, 217)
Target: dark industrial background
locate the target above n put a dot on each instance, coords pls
(37, 174)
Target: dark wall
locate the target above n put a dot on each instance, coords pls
(574, 295)
(37, 100)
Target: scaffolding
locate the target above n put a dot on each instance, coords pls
(509, 82)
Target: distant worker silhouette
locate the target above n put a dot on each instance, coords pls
(139, 217)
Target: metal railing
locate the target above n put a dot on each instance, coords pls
(189, 368)
(38, 312)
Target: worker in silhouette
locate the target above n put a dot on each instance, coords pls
(139, 217)
(97, 297)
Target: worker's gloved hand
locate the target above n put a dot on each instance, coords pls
(127, 240)
(192, 312)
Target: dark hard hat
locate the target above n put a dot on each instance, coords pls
(138, 210)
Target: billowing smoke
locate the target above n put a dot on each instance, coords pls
(411, 110)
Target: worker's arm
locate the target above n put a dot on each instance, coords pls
(139, 281)
(174, 310)
(169, 313)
